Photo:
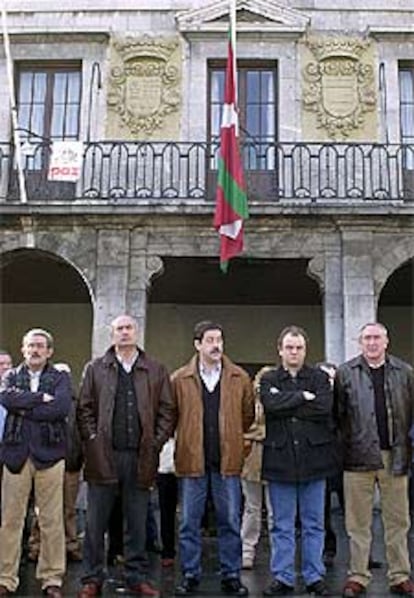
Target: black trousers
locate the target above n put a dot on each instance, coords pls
(168, 496)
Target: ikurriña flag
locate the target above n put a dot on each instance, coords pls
(231, 198)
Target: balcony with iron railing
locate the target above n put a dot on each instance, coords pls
(134, 172)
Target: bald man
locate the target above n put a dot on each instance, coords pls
(125, 415)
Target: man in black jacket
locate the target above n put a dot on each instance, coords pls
(299, 454)
(374, 395)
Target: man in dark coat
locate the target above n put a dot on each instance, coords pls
(374, 394)
(299, 454)
(125, 414)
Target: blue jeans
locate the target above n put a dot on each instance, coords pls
(226, 495)
(101, 498)
(286, 499)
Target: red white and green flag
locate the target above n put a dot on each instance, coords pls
(231, 197)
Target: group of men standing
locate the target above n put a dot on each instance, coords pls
(129, 407)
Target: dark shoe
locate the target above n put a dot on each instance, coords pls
(52, 591)
(232, 586)
(405, 588)
(187, 586)
(352, 589)
(277, 588)
(144, 588)
(4, 591)
(318, 588)
(89, 589)
(373, 564)
(167, 562)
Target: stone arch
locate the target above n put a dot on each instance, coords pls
(41, 288)
(389, 260)
(395, 309)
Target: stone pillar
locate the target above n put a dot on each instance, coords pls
(142, 270)
(358, 286)
(326, 270)
(111, 284)
(333, 308)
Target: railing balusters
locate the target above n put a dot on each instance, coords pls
(119, 171)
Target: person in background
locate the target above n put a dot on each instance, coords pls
(214, 406)
(168, 498)
(374, 397)
(5, 365)
(37, 398)
(252, 483)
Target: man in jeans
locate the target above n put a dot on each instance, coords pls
(214, 405)
(374, 394)
(125, 414)
(299, 454)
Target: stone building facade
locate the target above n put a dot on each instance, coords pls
(327, 111)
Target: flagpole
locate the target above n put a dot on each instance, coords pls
(233, 13)
(13, 108)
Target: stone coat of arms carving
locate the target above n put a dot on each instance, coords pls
(339, 86)
(144, 84)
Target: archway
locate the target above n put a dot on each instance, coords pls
(253, 302)
(395, 310)
(40, 289)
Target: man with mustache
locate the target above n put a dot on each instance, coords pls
(214, 406)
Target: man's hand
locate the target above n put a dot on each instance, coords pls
(308, 396)
(47, 398)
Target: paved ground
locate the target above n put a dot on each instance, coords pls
(256, 579)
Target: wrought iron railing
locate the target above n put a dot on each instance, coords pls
(147, 171)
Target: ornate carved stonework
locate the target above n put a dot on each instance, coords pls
(339, 84)
(144, 83)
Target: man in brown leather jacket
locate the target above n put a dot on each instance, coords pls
(214, 406)
(125, 416)
(374, 394)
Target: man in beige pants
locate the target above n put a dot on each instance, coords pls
(374, 395)
(37, 398)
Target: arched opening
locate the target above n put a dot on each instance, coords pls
(253, 302)
(40, 289)
(395, 310)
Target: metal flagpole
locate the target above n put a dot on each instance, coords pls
(16, 136)
(233, 11)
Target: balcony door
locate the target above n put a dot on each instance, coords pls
(406, 76)
(257, 99)
(48, 104)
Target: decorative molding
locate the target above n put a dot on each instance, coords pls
(251, 14)
(316, 270)
(144, 85)
(339, 86)
(155, 268)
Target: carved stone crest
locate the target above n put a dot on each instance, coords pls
(144, 84)
(339, 85)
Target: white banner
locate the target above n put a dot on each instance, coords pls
(66, 161)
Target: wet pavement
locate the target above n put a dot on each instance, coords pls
(255, 579)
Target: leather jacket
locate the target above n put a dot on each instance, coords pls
(355, 413)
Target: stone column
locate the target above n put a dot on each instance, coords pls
(326, 270)
(333, 308)
(143, 268)
(358, 286)
(111, 284)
